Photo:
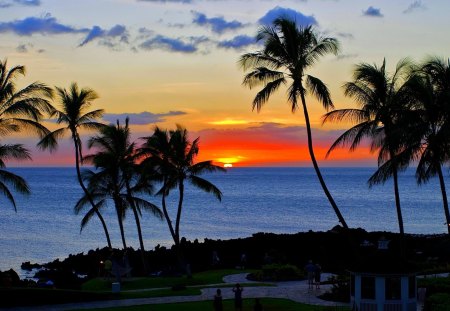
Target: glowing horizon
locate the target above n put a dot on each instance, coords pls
(175, 62)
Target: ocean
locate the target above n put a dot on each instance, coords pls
(278, 200)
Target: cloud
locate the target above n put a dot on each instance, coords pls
(141, 118)
(345, 35)
(116, 32)
(217, 24)
(7, 4)
(28, 2)
(24, 48)
(277, 12)
(166, 1)
(416, 5)
(237, 42)
(372, 12)
(38, 25)
(345, 56)
(173, 44)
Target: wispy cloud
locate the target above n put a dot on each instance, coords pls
(38, 25)
(188, 45)
(24, 48)
(237, 42)
(217, 24)
(372, 12)
(116, 32)
(7, 4)
(415, 6)
(141, 118)
(277, 12)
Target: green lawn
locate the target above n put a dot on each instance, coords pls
(269, 304)
(201, 278)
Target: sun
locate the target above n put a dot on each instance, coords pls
(227, 165)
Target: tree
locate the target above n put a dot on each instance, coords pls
(384, 103)
(22, 108)
(117, 176)
(430, 87)
(289, 51)
(172, 155)
(17, 152)
(73, 115)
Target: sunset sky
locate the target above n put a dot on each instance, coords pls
(163, 62)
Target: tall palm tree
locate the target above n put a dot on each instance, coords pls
(383, 102)
(173, 155)
(17, 152)
(74, 116)
(117, 176)
(431, 89)
(22, 108)
(289, 51)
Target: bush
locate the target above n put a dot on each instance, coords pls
(278, 272)
(438, 302)
(340, 290)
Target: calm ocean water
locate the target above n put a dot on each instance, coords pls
(280, 200)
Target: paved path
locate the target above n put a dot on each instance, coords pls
(296, 290)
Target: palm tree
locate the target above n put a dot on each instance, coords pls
(431, 89)
(117, 176)
(73, 115)
(173, 155)
(17, 152)
(383, 102)
(289, 51)
(22, 108)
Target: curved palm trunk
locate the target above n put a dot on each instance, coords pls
(119, 210)
(397, 203)
(444, 197)
(167, 217)
(86, 192)
(180, 207)
(316, 166)
(138, 225)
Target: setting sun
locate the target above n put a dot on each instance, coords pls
(228, 165)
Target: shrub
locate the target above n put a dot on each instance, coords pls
(437, 302)
(278, 272)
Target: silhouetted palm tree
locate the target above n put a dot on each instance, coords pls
(73, 115)
(172, 155)
(17, 152)
(289, 51)
(116, 176)
(22, 108)
(431, 90)
(384, 103)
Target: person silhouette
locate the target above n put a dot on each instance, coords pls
(217, 303)
(237, 290)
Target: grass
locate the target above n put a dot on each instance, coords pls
(201, 278)
(269, 304)
(160, 293)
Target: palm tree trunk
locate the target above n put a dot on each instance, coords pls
(316, 166)
(444, 197)
(180, 207)
(397, 203)
(167, 217)
(138, 225)
(88, 195)
(119, 210)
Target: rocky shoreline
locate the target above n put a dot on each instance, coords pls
(337, 250)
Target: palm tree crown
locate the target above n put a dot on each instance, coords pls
(22, 108)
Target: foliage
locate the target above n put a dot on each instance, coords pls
(340, 289)
(278, 272)
(437, 302)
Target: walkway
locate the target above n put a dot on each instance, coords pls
(296, 290)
